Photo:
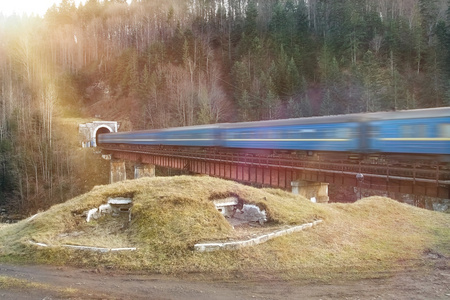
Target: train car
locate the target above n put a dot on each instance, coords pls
(332, 133)
(200, 136)
(415, 132)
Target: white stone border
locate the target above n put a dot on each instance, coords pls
(254, 241)
(99, 249)
(208, 247)
(95, 249)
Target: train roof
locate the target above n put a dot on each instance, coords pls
(349, 118)
(296, 121)
(170, 129)
(436, 112)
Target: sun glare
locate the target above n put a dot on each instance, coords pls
(28, 7)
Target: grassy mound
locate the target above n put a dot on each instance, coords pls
(171, 214)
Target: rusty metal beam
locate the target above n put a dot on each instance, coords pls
(279, 172)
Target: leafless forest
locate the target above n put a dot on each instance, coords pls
(155, 64)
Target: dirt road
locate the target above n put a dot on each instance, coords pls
(70, 283)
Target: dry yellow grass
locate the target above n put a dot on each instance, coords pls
(171, 214)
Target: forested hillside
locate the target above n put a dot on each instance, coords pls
(154, 64)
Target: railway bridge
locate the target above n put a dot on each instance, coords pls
(305, 173)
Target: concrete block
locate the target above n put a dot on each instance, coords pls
(144, 170)
(118, 171)
(317, 222)
(92, 214)
(311, 190)
(252, 213)
(226, 206)
(253, 241)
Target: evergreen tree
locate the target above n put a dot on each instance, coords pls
(242, 86)
(245, 106)
(299, 107)
(446, 44)
(250, 23)
(282, 26)
(293, 78)
(285, 74)
(250, 30)
(372, 78)
(443, 33)
(305, 49)
(269, 106)
(294, 109)
(327, 105)
(305, 104)
(418, 35)
(7, 177)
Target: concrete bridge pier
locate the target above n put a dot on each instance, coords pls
(310, 190)
(144, 170)
(117, 171)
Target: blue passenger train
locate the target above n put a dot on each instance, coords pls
(424, 132)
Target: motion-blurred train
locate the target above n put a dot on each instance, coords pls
(423, 133)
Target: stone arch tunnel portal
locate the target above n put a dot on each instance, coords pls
(101, 130)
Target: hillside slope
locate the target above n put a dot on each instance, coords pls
(171, 214)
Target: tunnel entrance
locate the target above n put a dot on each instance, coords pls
(101, 130)
(88, 132)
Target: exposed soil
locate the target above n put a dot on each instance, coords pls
(431, 283)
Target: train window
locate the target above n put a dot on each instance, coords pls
(260, 134)
(247, 134)
(272, 134)
(421, 130)
(289, 134)
(343, 133)
(406, 131)
(372, 131)
(308, 134)
(413, 131)
(333, 133)
(444, 130)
